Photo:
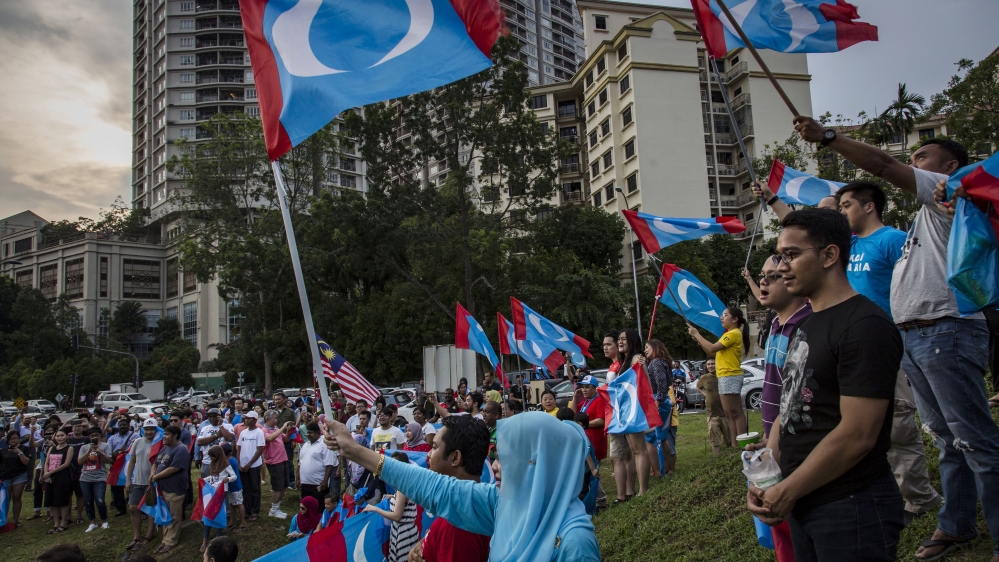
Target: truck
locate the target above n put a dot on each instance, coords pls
(155, 391)
(445, 365)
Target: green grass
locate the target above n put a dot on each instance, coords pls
(696, 514)
(699, 512)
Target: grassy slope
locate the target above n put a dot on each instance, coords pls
(698, 513)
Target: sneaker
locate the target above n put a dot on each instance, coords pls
(280, 514)
(93, 526)
(105, 525)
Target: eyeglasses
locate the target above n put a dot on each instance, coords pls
(174, 420)
(771, 278)
(788, 256)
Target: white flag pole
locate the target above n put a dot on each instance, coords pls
(317, 365)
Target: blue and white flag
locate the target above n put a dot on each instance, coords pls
(798, 188)
(631, 407)
(696, 302)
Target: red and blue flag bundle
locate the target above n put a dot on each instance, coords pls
(973, 249)
(313, 59)
(790, 26)
(531, 326)
(534, 352)
(116, 475)
(655, 233)
(798, 188)
(690, 298)
(5, 507)
(157, 445)
(160, 513)
(295, 436)
(468, 334)
(631, 407)
(210, 508)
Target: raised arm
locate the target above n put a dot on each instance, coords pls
(762, 191)
(707, 346)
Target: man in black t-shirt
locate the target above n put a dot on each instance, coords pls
(838, 492)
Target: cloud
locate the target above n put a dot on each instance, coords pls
(65, 106)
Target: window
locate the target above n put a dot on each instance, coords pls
(191, 323)
(600, 22)
(249, 75)
(190, 281)
(593, 139)
(102, 325)
(601, 66)
(632, 182)
(103, 279)
(603, 96)
(187, 115)
(186, 133)
(171, 313)
(234, 318)
(140, 279)
(589, 79)
(172, 278)
(253, 111)
(187, 78)
(348, 181)
(625, 84)
(926, 134)
(591, 109)
(48, 281)
(629, 149)
(609, 192)
(537, 102)
(596, 199)
(734, 61)
(605, 128)
(608, 159)
(749, 217)
(636, 250)
(187, 60)
(187, 24)
(23, 245)
(251, 93)
(622, 52)
(73, 278)
(187, 6)
(25, 279)
(187, 97)
(626, 117)
(595, 169)
(186, 42)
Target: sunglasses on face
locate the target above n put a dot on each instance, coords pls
(771, 278)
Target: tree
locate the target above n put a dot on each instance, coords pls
(39, 336)
(900, 117)
(173, 362)
(127, 321)
(167, 330)
(120, 220)
(971, 104)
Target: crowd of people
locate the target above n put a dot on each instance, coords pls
(863, 332)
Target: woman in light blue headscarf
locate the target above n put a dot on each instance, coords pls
(532, 514)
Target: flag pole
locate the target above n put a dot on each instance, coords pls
(653, 322)
(742, 146)
(759, 60)
(659, 270)
(317, 366)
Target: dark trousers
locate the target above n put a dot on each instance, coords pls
(251, 490)
(93, 495)
(289, 448)
(118, 499)
(335, 483)
(862, 527)
(311, 490)
(992, 320)
(38, 491)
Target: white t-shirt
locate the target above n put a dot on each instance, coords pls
(313, 458)
(209, 431)
(429, 429)
(355, 420)
(387, 439)
(249, 440)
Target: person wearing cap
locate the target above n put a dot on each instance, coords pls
(588, 401)
(215, 432)
(137, 480)
(249, 454)
(120, 443)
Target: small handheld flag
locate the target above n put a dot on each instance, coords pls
(531, 326)
(688, 296)
(534, 352)
(351, 381)
(468, 334)
(160, 512)
(116, 475)
(801, 26)
(656, 233)
(211, 505)
(798, 188)
(631, 407)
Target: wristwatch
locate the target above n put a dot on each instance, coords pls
(773, 200)
(828, 136)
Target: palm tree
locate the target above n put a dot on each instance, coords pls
(900, 116)
(128, 320)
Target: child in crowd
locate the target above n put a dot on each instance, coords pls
(235, 494)
(329, 506)
(220, 476)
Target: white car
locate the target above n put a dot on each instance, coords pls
(44, 406)
(115, 400)
(148, 410)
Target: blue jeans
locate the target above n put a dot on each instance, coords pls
(93, 492)
(862, 527)
(946, 368)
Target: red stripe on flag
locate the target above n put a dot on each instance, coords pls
(461, 327)
(732, 225)
(554, 361)
(711, 28)
(483, 22)
(776, 176)
(503, 328)
(519, 324)
(328, 543)
(646, 398)
(584, 345)
(265, 72)
(848, 31)
(641, 228)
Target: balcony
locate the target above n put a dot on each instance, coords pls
(703, 74)
(746, 129)
(572, 196)
(567, 112)
(569, 168)
(740, 100)
(738, 201)
(206, 23)
(736, 71)
(571, 139)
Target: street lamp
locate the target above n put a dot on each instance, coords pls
(634, 271)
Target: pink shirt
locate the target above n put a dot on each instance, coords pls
(274, 452)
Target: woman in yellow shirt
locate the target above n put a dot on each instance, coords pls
(728, 352)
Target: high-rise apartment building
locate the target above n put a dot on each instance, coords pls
(551, 32)
(649, 118)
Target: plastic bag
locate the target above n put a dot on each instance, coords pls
(761, 468)
(972, 260)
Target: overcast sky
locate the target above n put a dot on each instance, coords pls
(65, 110)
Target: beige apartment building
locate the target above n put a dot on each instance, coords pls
(648, 116)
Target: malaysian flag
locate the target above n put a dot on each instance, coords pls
(351, 382)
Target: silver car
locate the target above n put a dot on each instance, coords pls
(752, 387)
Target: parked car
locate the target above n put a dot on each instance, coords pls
(405, 401)
(148, 410)
(115, 400)
(244, 391)
(44, 406)
(752, 387)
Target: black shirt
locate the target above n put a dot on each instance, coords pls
(174, 457)
(851, 349)
(517, 391)
(10, 462)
